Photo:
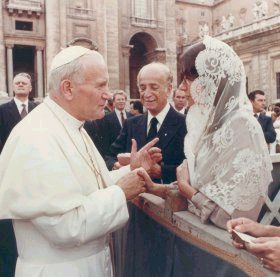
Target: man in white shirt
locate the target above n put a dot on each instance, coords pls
(54, 184)
(160, 120)
(111, 124)
(257, 98)
(10, 114)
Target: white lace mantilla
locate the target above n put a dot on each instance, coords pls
(225, 147)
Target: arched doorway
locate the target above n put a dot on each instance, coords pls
(144, 51)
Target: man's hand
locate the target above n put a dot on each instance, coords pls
(146, 157)
(117, 165)
(132, 183)
(123, 158)
(268, 250)
(155, 171)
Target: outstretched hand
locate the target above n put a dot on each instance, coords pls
(157, 189)
(146, 157)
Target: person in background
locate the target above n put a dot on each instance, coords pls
(136, 107)
(112, 123)
(180, 101)
(109, 105)
(12, 112)
(257, 98)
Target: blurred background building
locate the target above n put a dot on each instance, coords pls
(131, 33)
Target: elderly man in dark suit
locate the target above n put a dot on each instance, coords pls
(112, 123)
(257, 98)
(10, 114)
(161, 120)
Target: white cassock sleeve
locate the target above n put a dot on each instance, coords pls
(103, 212)
(116, 175)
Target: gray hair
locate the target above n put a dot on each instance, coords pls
(73, 71)
(23, 74)
(165, 69)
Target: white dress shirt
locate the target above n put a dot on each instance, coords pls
(160, 117)
(19, 105)
(118, 113)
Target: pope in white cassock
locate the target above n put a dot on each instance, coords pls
(54, 184)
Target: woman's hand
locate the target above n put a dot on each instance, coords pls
(157, 189)
(183, 180)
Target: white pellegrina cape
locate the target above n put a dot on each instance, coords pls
(56, 188)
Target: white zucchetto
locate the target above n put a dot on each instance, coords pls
(68, 55)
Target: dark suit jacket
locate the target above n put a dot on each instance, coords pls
(267, 126)
(171, 141)
(93, 130)
(110, 128)
(9, 117)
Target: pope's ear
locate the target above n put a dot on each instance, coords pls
(66, 89)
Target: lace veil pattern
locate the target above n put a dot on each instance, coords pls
(227, 155)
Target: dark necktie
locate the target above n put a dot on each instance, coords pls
(23, 111)
(153, 129)
(122, 118)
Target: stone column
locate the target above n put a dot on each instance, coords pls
(64, 35)
(170, 38)
(10, 67)
(2, 54)
(126, 55)
(112, 36)
(40, 78)
(52, 31)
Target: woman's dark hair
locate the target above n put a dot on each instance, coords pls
(187, 61)
(277, 110)
(137, 105)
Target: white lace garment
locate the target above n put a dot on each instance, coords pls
(227, 155)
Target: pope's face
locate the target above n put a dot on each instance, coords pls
(89, 98)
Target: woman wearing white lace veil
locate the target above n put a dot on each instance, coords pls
(228, 168)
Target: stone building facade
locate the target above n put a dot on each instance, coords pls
(131, 33)
(128, 34)
(251, 27)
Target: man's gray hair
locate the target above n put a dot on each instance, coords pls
(73, 71)
(165, 68)
(23, 74)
